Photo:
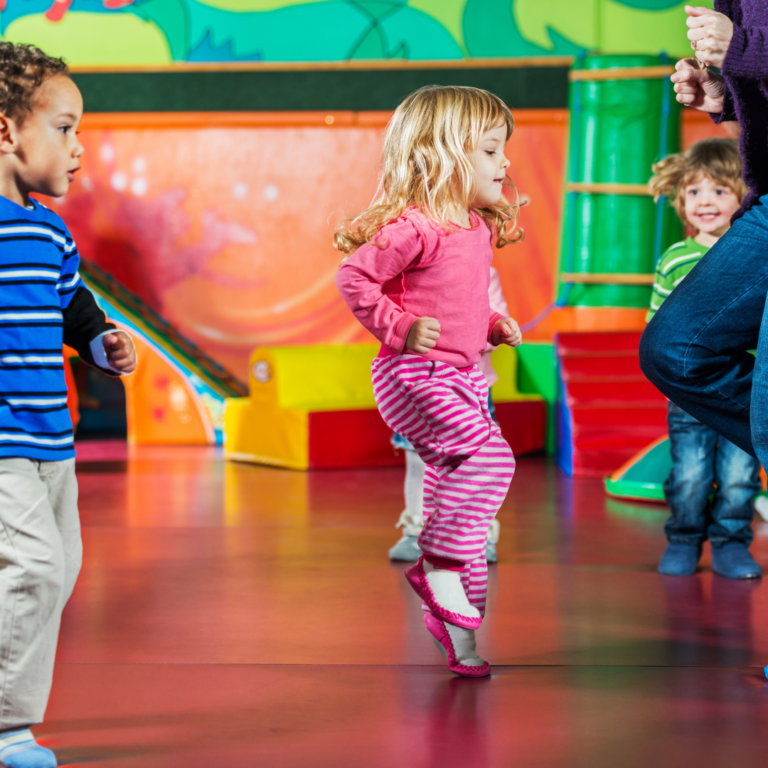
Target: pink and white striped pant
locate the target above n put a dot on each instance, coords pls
(443, 412)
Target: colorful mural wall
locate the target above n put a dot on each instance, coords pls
(227, 232)
(157, 32)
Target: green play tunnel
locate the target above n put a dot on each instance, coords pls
(619, 127)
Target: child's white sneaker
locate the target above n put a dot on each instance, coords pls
(407, 549)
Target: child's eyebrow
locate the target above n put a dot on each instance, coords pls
(68, 114)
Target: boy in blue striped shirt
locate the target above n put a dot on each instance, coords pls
(43, 305)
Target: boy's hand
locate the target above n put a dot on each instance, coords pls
(506, 331)
(120, 351)
(423, 335)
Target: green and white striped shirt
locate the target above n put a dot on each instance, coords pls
(678, 260)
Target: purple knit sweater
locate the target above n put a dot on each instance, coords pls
(745, 70)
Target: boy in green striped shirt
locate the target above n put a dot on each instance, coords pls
(678, 260)
(712, 482)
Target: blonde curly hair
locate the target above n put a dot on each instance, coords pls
(426, 164)
(717, 158)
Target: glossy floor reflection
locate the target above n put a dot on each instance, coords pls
(237, 615)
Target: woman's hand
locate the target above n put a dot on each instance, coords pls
(711, 33)
(697, 87)
(423, 335)
(506, 331)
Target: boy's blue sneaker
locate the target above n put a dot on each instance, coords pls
(734, 561)
(680, 559)
(18, 749)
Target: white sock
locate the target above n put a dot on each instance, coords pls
(449, 591)
(464, 645)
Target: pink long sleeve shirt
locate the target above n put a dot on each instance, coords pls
(420, 269)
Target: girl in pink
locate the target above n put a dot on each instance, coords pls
(417, 278)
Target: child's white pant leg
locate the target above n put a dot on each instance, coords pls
(40, 552)
(414, 483)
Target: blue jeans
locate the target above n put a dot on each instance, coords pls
(696, 348)
(700, 458)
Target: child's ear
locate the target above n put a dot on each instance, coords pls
(8, 140)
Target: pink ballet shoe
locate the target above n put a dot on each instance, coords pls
(445, 645)
(418, 581)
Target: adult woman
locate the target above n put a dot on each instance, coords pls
(696, 348)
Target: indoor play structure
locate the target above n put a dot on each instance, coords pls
(313, 408)
(642, 477)
(611, 234)
(176, 395)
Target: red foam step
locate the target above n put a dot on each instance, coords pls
(613, 410)
(619, 418)
(603, 344)
(612, 391)
(360, 438)
(348, 439)
(524, 425)
(601, 368)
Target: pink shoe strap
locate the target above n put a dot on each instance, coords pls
(444, 563)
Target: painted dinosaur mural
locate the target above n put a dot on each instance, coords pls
(94, 32)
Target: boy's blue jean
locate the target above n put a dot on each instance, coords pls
(700, 457)
(696, 348)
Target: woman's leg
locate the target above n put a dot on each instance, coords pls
(759, 402)
(695, 350)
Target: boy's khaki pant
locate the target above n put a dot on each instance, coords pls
(40, 557)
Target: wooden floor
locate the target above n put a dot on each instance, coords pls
(233, 615)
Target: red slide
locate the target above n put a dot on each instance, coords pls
(607, 410)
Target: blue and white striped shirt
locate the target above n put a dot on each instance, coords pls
(38, 278)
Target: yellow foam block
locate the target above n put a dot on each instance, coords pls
(287, 384)
(261, 433)
(318, 378)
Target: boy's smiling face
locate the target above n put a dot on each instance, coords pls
(43, 153)
(709, 206)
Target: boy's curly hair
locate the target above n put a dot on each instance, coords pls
(23, 68)
(717, 158)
